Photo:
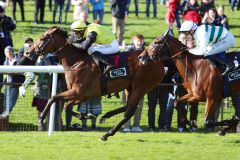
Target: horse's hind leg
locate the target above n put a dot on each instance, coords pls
(211, 106)
(186, 98)
(112, 113)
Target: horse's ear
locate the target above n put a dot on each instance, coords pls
(168, 33)
(158, 40)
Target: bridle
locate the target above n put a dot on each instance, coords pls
(166, 56)
(40, 49)
(158, 48)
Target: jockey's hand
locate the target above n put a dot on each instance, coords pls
(36, 90)
(69, 40)
(22, 91)
(184, 48)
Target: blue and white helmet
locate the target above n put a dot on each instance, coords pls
(188, 26)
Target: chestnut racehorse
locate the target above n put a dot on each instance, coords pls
(202, 80)
(82, 76)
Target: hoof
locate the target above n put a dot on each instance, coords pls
(221, 133)
(102, 120)
(103, 138)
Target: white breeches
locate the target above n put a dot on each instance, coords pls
(111, 48)
(222, 45)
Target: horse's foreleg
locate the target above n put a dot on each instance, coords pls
(132, 103)
(64, 95)
(112, 113)
(182, 115)
(211, 106)
(75, 114)
(186, 98)
(118, 110)
(112, 131)
(44, 113)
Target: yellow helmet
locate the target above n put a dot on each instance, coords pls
(78, 25)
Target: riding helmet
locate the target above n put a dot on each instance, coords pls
(78, 25)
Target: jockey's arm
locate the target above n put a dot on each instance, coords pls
(201, 44)
(90, 39)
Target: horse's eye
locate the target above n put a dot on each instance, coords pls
(155, 46)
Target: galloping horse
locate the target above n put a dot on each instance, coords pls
(202, 80)
(82, 76)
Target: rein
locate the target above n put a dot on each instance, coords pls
(155, 58)
(176, 55)
(59, 49)
(72, 68)
(39, 51)
(50, 39)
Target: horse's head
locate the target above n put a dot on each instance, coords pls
(162, 48)
(51, 41)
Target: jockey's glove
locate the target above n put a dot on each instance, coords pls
(184, 48)
(22, 91)
(69, 40)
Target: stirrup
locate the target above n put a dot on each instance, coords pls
(227, 70)
(109, 67)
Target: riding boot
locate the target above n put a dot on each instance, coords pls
(228, 67)
(103, 59)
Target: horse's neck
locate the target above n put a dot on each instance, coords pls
(69, 56)
(189, 65)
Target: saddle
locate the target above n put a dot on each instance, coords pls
(233, 76)
(118, 69)
(112, 66)
(232, 62)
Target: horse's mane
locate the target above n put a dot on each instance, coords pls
(193, 56)
(59, 30)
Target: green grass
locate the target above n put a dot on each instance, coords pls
(150, 146)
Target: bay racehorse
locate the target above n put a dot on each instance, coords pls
(82, 76)
(202, 79)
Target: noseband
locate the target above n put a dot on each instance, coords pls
(166, 55)
(40, 49)
(157, 49)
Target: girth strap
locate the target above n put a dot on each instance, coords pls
(103, 85)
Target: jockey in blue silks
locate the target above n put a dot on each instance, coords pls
(211, 42)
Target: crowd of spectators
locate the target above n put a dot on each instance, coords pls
(200, 12)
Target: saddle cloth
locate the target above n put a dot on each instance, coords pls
(234, 75)
(120, 69)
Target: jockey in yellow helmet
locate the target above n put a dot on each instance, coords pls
(97, 40)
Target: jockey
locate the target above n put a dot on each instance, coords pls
(211, 42)
(97, 40)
